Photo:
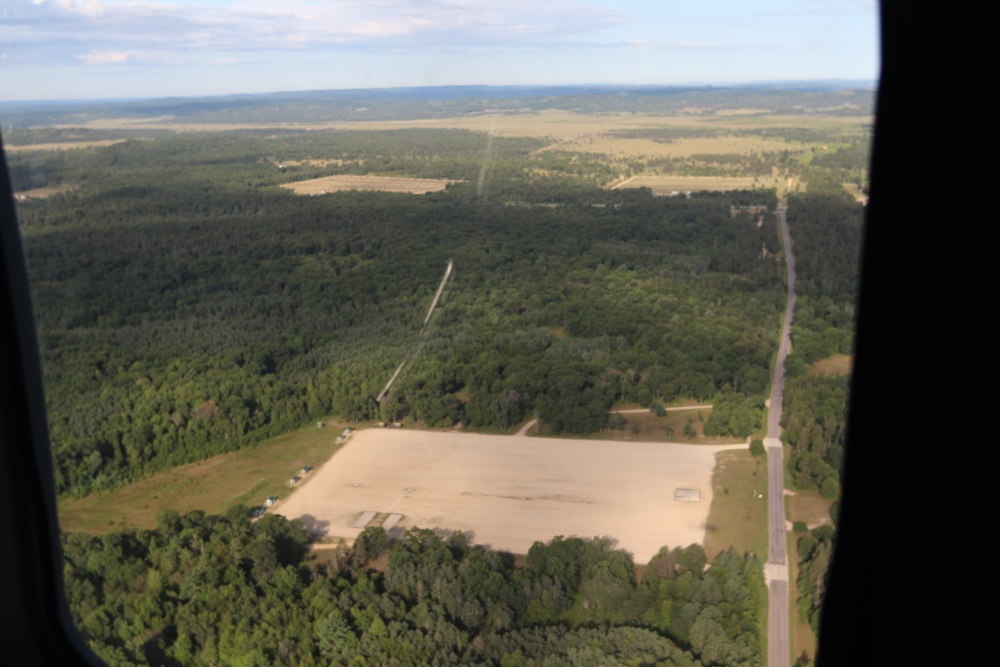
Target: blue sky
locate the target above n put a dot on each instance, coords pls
(71, 49)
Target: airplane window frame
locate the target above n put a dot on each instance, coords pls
(36, 623)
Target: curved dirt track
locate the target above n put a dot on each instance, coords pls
(509, 491)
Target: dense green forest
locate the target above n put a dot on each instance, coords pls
(187, 306)
(209, 590)
(826, 229)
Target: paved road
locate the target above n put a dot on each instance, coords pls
(777, 623)
(778, 384)
(775, 503)
(778, 649)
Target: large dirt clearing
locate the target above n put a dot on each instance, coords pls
(319, 186)
(509, 491)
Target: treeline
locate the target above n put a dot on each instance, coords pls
(826, 234)
(814, 412)
(209, 590)
(181, 317)
(826, 238)
(815, 552)
(25, 136)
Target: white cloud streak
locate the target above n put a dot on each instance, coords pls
(88, 30)
(104, 58)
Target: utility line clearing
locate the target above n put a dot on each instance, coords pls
(406, 363)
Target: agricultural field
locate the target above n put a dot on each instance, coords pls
(509, 491)
(568, 130)
(60, 146)
(669, 185)
(614, 146)
(321, 186)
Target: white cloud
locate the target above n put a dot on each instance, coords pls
(103, 58)
(659, 44)
(44, 28)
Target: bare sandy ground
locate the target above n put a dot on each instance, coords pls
(417, 186)
(42, 193)
(62, 146)
(509, 491)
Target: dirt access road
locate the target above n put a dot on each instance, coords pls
(509, 491)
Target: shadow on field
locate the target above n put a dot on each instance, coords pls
(314, 525)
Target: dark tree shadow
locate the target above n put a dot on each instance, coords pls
(314, 525)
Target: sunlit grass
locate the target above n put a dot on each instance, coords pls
(738, 515)
(214, 485)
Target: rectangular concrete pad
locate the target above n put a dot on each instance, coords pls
(364, 519)
(392, 521)
(509, 491)
(687, 495)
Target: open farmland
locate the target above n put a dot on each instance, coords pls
(665, 185)
(613, 146)
(320, 186)
(60, 146)
(561, 126)
(509, 491)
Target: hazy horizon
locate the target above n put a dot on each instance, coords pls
(833, 84)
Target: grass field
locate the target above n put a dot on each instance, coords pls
(837, 365)
(248, 476)
(808, 506)
(646, 427)
(737, 517)
(320, 186)
(665, 185)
